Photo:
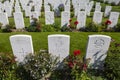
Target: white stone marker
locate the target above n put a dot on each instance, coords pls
(89, 8)
(21, 46)
(34, 15)
(4, 19)
(59, 45)
(65, 17)
(107, 11)
(49, 17)
(8, 11)
(19, 21)
(96, 50)
(17, 9)
(97, 18)
(98, 8)
(27, 11)
(81, 19)
(114, 19)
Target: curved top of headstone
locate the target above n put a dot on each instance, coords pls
(20, 35)
(58, 35)
(99, 36)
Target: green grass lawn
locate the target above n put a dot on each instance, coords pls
(78, 40)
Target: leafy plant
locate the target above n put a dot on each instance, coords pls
(112, 67)
(0, 25)
(7, 28)
(51, 28)
(92, 27)
(73, 68)
(7, 67)
(38, 66)
(71, 27)
(72, 24)
(117, 28)
(66, 29)
(35, 26)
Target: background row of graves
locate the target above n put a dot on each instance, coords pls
(99, 41)
(84, 17)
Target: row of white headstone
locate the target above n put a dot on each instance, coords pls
(65, 17)
(78, 5)
(59, 45)
(111, 1)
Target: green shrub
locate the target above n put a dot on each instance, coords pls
(7, 28)
(73, 68)
(7, 67)
(0, 25)
(106, 2)
(66, 29)
(117, 28)
(35, 26)
(112, 62)
(113, 4)
(92, 27)
(37, 67)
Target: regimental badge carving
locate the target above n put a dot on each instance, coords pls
(99, 43)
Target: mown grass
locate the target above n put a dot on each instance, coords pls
(78, 40)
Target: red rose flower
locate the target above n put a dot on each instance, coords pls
(76, 52)
(76, 22)
(70, 20)
(70, 64)
(108, 22)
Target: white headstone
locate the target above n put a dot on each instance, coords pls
(96, 50)
(97, 18)
(65, 17)
(114, 19)
(4, 19)
(8, 11)
(19, 21)
(27, 11)
(34, 15)
(38, 9)
(58, 45)
(89, 8)
(67, 8)
(47, 7)
(49, 17)
(76, 10)
(107, 11)
(81, 19)
(98, 8)
(17, 9)
(21, 46)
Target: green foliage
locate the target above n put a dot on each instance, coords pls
(7, 28)
(35, 26)
(37, 67)
(72, 68)
(92, 27)
(66, 29)
(117, 28)
(51, 28)
(7, 67)
(0, 25)
(112, 62)
(113, 4)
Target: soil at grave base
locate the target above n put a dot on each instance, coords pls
(18, 30)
